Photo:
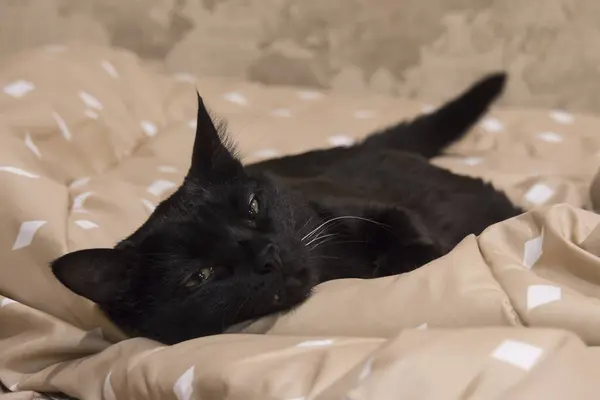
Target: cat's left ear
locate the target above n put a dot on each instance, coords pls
(97, 274)
(212, 158)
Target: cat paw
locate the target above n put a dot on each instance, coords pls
(406, 258)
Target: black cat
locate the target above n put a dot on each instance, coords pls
(234, 243)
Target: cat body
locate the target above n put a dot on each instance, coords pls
(238, 242)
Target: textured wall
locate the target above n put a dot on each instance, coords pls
(424, 48)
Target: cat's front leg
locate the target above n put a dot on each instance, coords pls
(396, 239)
(403, 245)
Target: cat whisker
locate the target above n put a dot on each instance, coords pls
(326, 240)
(320, 237)
(316, 230)
(329, 243)
(237, 312)
(305, 224)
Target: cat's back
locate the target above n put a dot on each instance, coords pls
(451, 205)
(399, 176)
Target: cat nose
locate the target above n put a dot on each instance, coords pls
(268, 260)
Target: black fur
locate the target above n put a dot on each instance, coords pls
(370, 210)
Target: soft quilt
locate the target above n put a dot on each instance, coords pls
(91, 141)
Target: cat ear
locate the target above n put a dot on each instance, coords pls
(211, 158)
(95, 274)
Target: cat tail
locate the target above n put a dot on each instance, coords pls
(429, 134)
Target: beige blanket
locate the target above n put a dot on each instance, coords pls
(90, 141)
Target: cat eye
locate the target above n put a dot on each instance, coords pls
(200, 277)
(253, 205)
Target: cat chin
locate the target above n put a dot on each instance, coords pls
(262, 325)
(297, 285)
(293, 291)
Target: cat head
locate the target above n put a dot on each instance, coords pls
(224, 248)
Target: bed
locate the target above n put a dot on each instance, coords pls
(91, 140)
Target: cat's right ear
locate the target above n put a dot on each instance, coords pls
(96, 274)
(213, 158)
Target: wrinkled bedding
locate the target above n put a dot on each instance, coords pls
(91, 141)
